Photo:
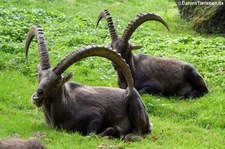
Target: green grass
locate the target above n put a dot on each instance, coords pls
(69, 25)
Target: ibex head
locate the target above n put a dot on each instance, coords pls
(49, 82)
(121, 44)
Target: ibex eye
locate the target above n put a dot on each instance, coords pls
(58, 81)
(40, 91)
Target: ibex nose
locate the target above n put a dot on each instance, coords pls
(39, 91)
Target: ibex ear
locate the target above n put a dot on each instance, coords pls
(134, 47)
(67, 77)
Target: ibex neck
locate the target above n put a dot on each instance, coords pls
(53, 108)
(130, 61)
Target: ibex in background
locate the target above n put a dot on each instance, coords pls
(17, 143)
(153, 75)
(75, 107)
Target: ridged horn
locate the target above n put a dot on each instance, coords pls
(42, 47)
(112, 30)
(100, 51)
(136, 22)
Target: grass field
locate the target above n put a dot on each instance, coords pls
(69, 25)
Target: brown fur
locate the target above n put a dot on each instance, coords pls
(76, 107)
(17, 143)
(163, 76)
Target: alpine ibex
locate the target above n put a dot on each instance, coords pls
(75, 107)
(17, 143)
(153, 75)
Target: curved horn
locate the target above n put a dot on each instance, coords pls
(43, 51)
(96, 51)
(112, 30)
(136, 22)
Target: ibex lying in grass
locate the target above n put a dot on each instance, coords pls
(75, 107)
(16, 143)
(153, 75)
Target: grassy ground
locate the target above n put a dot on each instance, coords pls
(69, 25)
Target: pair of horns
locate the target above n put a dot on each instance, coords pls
(76, 55)
(132, 26)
